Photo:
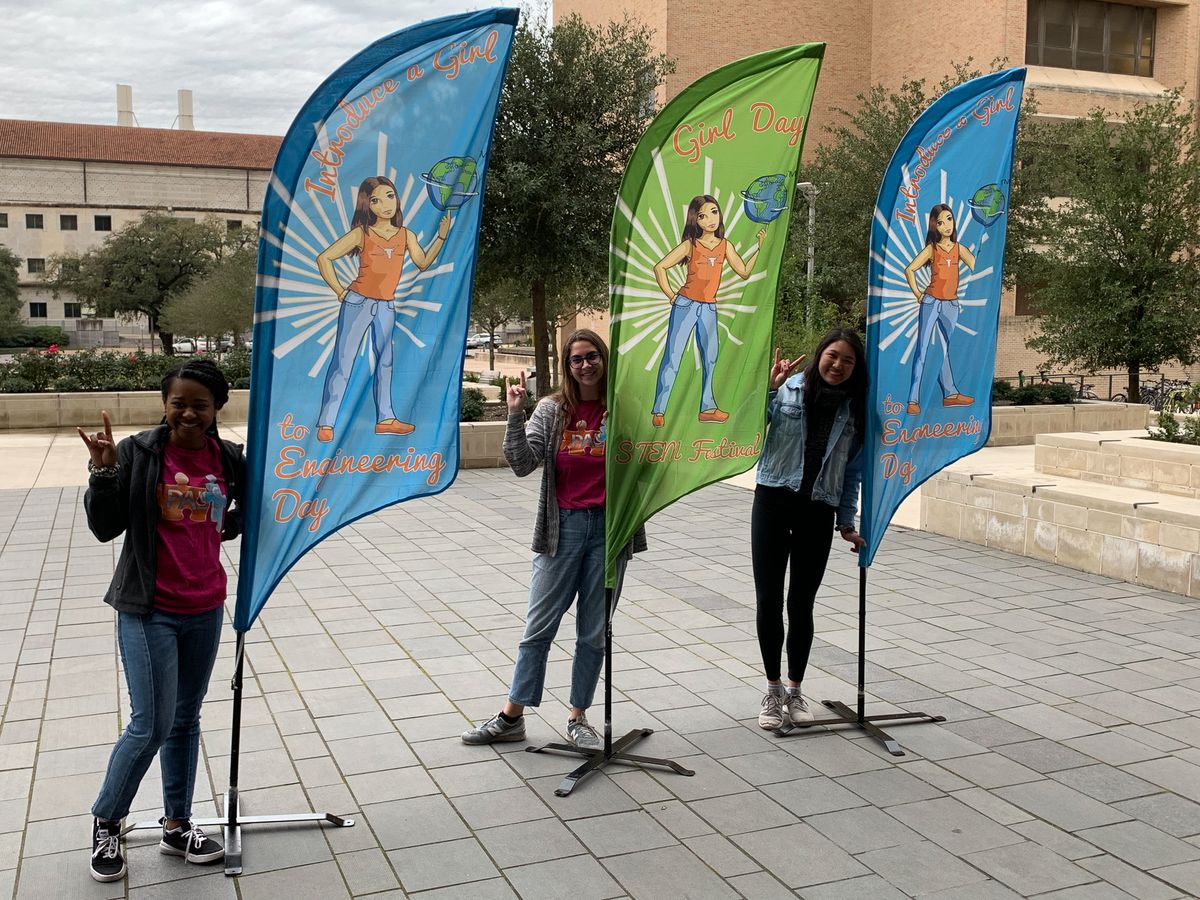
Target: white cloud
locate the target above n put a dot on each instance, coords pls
(250, 64)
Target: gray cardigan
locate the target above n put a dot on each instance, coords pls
(533, 444)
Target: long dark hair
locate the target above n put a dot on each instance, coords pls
(204, 372)
(932, 235)
(567, 395)
(855, 385)
(363, 217)
(691, 224)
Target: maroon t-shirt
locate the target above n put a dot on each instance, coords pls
(192, 502)
(579, 465)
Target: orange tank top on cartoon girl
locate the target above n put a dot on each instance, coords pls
(379, 265)
(704, 273)
(943, 280)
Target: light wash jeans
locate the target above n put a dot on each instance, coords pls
(168, 659)
(688, 317)
(357, 314)
(944, 315)
(576, 570)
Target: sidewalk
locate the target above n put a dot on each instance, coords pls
(1067, 768)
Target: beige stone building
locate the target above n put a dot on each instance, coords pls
(1081, 54)
(66, 187)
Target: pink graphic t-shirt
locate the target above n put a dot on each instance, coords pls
(579, 466)
(192, 501)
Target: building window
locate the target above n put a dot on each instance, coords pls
(233, 224)
(72, 310)
(1027, 300)
(33, 220)
(3, 220)
(1091, 35)
(68, 223)
(37, 310)
(36, 266)
(103, 223)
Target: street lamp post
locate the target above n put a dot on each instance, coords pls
(810, 191)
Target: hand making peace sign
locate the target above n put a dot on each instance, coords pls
(782, 368)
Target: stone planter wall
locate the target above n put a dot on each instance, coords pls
(1019, 425)
(1130, 461)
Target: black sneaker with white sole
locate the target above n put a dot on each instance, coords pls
(108, 863)
(188, 841)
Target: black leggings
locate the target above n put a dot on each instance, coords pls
(784, 525)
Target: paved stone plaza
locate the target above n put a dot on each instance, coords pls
(1067, 768)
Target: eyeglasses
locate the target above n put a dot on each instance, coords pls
(577, 361)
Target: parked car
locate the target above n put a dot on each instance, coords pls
(481, 341)
(185, 347)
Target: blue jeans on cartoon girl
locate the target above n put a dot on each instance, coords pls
(577, 569)
(942, 314)
(688, 317)
(168, 659)
(356, 315)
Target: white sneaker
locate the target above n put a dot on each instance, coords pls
(771, 716)
(797, 709)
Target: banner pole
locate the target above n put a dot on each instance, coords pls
(612, 753)
(858, 718)
(862, 643)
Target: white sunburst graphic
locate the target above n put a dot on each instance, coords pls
(899, 310)
(305, 301)
(644, 307)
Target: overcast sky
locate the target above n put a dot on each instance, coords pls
(250, 64)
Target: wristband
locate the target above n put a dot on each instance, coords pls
(103, 471)
(844, 529)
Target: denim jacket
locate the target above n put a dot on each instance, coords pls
(782, 461)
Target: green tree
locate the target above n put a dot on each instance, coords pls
(1119, 269)
(496, 303)
(574, 104)
(847, 169)
(10, 297)
(139, 268)
(218, 303)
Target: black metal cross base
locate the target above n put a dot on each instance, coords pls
(611, 752)
(844, 715)
(598, 759)
(231, 824)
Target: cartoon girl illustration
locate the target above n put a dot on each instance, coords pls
(704, 251)
(378, 238)
(939, 302)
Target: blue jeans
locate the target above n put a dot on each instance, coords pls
(168, 659)
(688, 317)
(356, 315)
(942, 314)
(577, 569)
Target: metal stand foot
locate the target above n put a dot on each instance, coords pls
(598, 759)
(844, 715)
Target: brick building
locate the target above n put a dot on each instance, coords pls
(1081, 54)
(66, 187)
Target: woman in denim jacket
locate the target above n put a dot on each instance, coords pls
(566, 436)
(807, 481)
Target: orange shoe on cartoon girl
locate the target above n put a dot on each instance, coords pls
(958, 400)
(324, 433)
(394, 426)
(657, 420)
(713, 415)
(914, 409)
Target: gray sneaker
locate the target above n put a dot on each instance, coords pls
(797, 709)
(583, 735)
(771, 715)
(495, 729)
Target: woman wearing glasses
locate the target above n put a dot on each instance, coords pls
(566, 436)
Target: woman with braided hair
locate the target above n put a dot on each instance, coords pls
(175, 492)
